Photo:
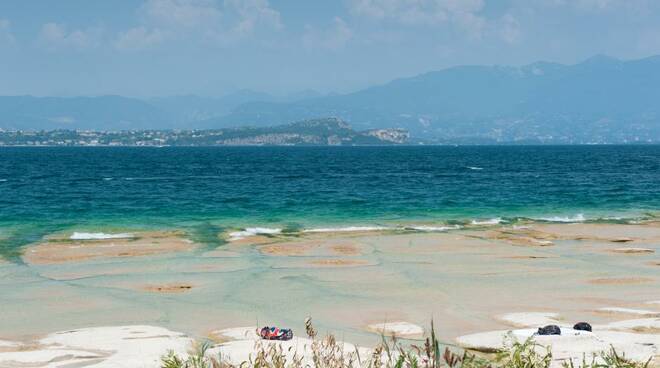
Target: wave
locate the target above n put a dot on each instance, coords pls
(516, 222)
(428, 228)
(346, 229)
(474, 167)
(577, 218)
(493, 221)
(99, 236)
(3, 180)
(156, 178)
(252, 231)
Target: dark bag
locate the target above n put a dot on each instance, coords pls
(549, 330)
(582, 326)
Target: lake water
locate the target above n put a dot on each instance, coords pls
(207, 190)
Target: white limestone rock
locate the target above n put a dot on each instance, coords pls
(237, 333)
(100, 347)
(399, 329)
(571, 344)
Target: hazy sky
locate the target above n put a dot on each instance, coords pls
(210, 47)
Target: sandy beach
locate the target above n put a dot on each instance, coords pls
(481, 279)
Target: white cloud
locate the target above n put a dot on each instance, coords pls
(182, 13)
(140, 38)
(333, 38)
(598, 5)
(54, 35)
(252, 13)
(509, 29)
(595, 4)
(464, 13)
(6, 36)
(199, 20)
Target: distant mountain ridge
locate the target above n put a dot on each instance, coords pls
(125, 113)
(601, 100)
(101, 113)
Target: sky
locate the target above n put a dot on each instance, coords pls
(146, 48)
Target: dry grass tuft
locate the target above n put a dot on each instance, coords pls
(326, 352)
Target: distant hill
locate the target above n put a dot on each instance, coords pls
(186, 111)
(333, 132)
(599, 100)
(317, 132)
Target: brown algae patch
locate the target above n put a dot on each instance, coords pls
(528, 257)
(633, 250)
(62, 250)
(646, 330)
(522, 237)
(288, 249)
(253, 240)
(615, 233)
(346, 249)
(339, 262)
(622, 240)
(620, 280)
(168, 288)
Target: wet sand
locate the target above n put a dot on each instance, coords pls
(463, 279)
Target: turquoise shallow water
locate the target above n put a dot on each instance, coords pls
(206, 190)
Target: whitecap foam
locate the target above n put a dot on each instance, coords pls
(252, 231)
(493, 221)
(346, 229)
(99, 236)
(431, 228)
(474, 167)
(577, 218)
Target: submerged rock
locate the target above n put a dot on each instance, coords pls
(530, 319)
(65, 250)
(398, 329)
(639, 312)
(168, 288)
(633, 250)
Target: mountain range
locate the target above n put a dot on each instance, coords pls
(600, 100)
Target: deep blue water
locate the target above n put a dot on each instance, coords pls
(50, 189)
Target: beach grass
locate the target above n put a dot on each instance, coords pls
(326, 352)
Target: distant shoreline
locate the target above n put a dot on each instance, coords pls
(507, 144)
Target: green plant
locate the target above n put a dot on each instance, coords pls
(171, 360)
(523, 355)
(197, 358)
